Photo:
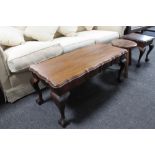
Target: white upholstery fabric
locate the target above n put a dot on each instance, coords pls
(72, 43)
(81, 28)
(88, 28)
(119, 29)
(21, 28)
(41, 33)
(10, 36)
(99, 36)
(85, 28)
(3, 70)
(68, 30)
(22, 56)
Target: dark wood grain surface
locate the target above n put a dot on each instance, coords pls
(123, 43)
(65, 68)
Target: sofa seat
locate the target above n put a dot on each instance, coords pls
(71, 43)
(99, 36)
(21, 57)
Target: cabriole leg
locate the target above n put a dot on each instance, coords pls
(151, 46)
(142, 51)
(122, 64)
(60, 103)
(34, 82)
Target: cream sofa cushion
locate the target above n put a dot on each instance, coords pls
(72, 43)
(81, 28)
(119, 29)
(88, 28)
(10, 36)
(22, 56)
(84, 28)
(68, 30)
(99, 36)
(41, 33)
(21, 28)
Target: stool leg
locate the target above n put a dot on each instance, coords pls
(142, 51)
(151, 46)
(126, 64)
(130, 57)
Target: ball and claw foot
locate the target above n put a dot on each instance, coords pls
(63, 122)
(119, 80)
(39, 101)
(147, 60)
(138, 65)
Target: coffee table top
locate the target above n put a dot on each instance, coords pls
(138, 38)
(123, 43)
(63, 69)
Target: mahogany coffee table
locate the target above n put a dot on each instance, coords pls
(127, 44)
(61, 74)
(142, 41)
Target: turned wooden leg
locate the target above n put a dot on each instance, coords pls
(130, 57)
(34, 82)
(142, 51)
(60, 103)
(122, 64)
(126, 65)
(151, 46)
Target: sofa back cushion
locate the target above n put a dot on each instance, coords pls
(89, 28)
(41, 33)
(119, 29)
(85, 28)
(10, 36)
(81, 28)
(68, 31)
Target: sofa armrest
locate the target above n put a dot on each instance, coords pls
(119, 29)
(4, 76)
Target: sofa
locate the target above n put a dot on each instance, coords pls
(40, 44)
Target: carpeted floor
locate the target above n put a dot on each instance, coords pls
(101, 102)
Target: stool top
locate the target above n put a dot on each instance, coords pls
(139, 38)
(123, 43)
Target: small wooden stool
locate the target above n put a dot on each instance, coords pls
(127, 44)
(142, 41)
